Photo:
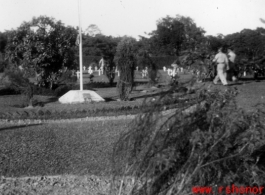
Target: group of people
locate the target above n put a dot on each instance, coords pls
(225, 63)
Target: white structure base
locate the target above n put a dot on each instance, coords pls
(77, 96)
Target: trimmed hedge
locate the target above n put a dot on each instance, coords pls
(45, 114)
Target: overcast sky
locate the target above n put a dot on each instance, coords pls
(134, 17)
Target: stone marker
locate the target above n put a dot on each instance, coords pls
(77, 96)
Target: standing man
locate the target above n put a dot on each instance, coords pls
(222, 65)
(232, 68)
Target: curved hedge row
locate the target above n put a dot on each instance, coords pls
(46, 114)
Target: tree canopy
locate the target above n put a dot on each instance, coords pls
(44, 47)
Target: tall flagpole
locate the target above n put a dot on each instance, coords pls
(80, 48)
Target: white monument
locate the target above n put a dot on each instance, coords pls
(144, 73)
(169, 71)
(90, 71)
(164, 69)
(80, 96)
(77, 96)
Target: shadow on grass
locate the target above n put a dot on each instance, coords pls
(8, 91)
(236, 83)
(108, 99)
(18, 126)
(252, 79)
(148, 95)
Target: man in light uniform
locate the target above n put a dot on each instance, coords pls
(232, 58)
(222, 66)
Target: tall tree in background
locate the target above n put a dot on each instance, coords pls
(176, 34)
(44, 47)
(214, 43)
(194, 35)
(92, 30)
(100, 45)
(248, 43)
(168, 36)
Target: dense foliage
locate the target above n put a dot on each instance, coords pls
(42, 47)
(172, 38)
(210, 143)
(20, 83)
(99, 45)
(125, 61)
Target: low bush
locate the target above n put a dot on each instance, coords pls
(18, 81)
(209, 142)
(43, 91)
(61, 90)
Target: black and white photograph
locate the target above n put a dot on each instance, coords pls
(132, 97)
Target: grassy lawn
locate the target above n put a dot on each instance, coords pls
(80, 148)
(13, 103)
(250, 93)
(77, 148)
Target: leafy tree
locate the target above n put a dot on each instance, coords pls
(169, 35)
(100, 45)
(174, 35)
(194, 35)
(214, 43)
(43, 47)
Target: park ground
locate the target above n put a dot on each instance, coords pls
(56, 157)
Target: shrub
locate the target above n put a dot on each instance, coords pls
(43, 91)
(20, 83)
(206, 143)
(61, 90)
